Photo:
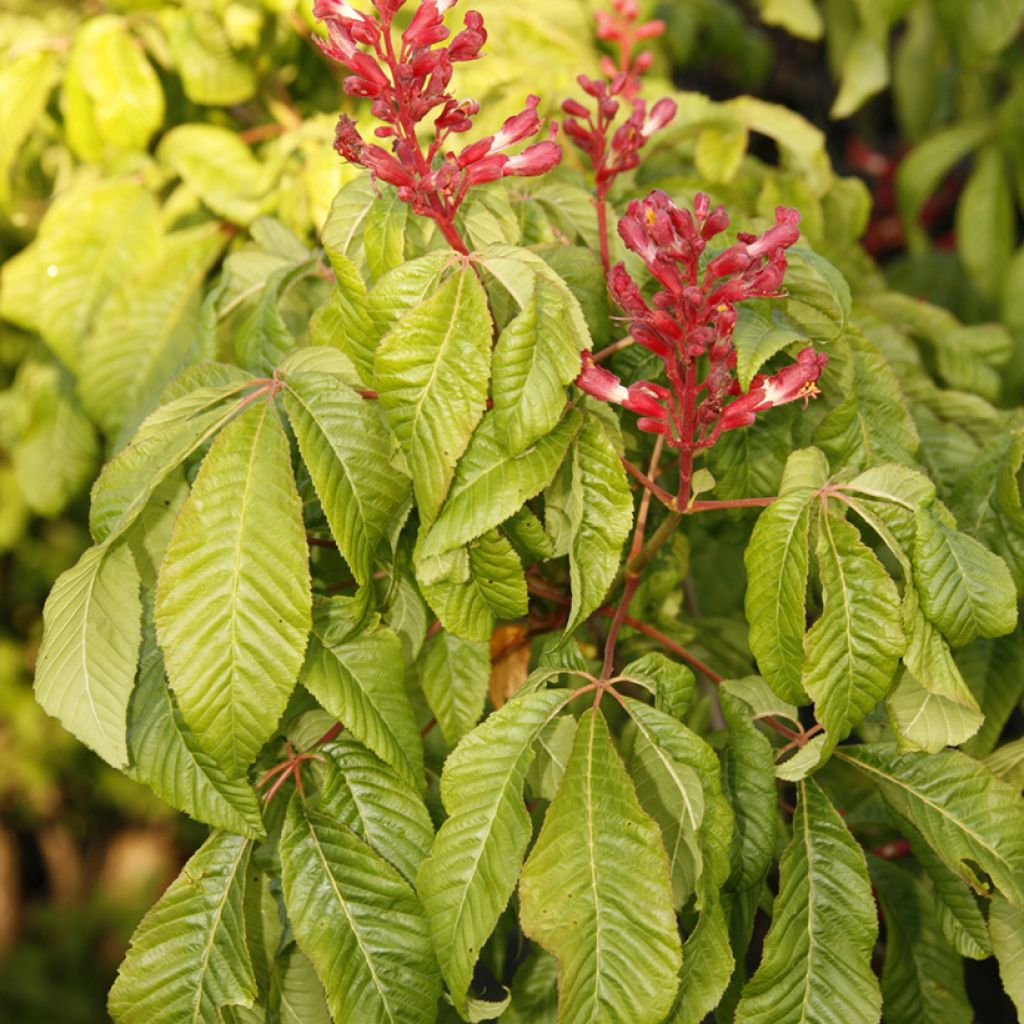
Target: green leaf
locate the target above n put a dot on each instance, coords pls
(602, 509)
(166, 438)
(596, 892)
(965, 589)
(985, 234)
(816, 964)
(361, 681)
(454, 678)
(979, 30)
(349, 453)
(923, 976)
(220, 168)
(146, 331)
(925, 167)
(166, 757)
(296, 993)
(432, 372)
(756, 339)
(358, 921)
(232, 611)
(490, 485)
(188, 957)
(91, 635)
(777, 561)
(671, 684)
(818, 295)
(211, 72)
(932, 707)
(91, 239)
(485, 582)
(720, 150)
(994, 671)
(872, 422)
(384, 234)
(26, 81)
(707, 960)
(1006, 925)
(748, 767)
(864, 73)
(471, 872)
(378, 804)
(800, 18)
(1007, 763)
(535, 358)
(853, 649)
(971, 820)
(120, 89)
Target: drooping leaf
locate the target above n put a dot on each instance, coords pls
(348, 452)
(360, 680)
(922, 978)
(378, 804)
(535, 357)
(816, 964)
(604, 514)
(852, 651)
(167, 758)
(994, 671)
(188, 957)
(777, 563)
(454, 679)
(296, 993)
(1006, 925)
(233, 611)
(671, 684)
(358, 921)
(490, 484)
(965, 589)
(969, 818)
(595, 891)
(91, 635)
(471, 872)
(432, 371)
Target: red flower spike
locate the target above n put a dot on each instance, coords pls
(408, 82)
(692, 318)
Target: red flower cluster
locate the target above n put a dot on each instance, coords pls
(693, 315)
(619, 27)
(410, 82)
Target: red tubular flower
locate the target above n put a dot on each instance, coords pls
(409, 81)
(689, 322)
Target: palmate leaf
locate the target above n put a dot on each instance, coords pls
(853, 649)
(816, 964)
(166, 757)
(360, 680)
(604, 506)
(166, 438)
(377, 803)
(233, 598)
(923, 976)
(91, 635)
(969, 818)
(188, 956)
(431, 373)
(490, 485)
(535, 358)
(358, 921)
(596, 892)
(777, 563)
(471, 872)
(348, 451)
(454, 678)
(965, 589)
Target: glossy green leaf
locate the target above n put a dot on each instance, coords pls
(232, 613)
(432, 371)
(595, 891)
(92, 629)
(853, 649)
(969, 818)
(349, 453)
(471, 872)
(535, 358)
(816, 964)
(188, 957)
(455, 673)
(358, 921)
